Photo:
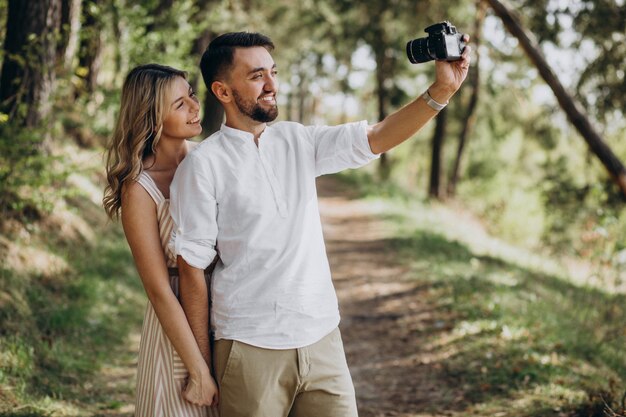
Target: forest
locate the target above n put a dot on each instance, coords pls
(508, 207)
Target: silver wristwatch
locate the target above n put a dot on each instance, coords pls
(432, 103)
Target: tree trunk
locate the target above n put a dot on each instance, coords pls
(434, 185)
(91, 45)
(289, 107)
(197, 49)
(28, 75)
(213, 115)
(470, 115)
(345, 91)
(68, 41)
(384, 66)
(612, 164)
(303, 94)
(213, 112)
(116, 25)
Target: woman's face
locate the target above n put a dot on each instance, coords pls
(182, 112)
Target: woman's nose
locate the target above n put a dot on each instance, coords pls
(195, 104)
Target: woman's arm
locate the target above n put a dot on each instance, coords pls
(194, 299)
(139, 219)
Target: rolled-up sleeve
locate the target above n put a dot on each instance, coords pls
(194, 212)
(340, 147)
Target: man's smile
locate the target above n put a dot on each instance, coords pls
(269, 99)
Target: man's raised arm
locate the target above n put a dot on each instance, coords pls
(404, 123)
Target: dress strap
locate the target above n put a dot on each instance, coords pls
(148, 183)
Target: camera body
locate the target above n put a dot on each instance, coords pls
(443, 43)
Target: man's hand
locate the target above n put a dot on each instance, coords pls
(402, 124)
(201, 391)
(450, 75)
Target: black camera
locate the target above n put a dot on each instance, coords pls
(443, 43)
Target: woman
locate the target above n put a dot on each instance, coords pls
(158, 113)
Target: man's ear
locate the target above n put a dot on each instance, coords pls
(221, 91)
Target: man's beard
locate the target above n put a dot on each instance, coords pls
(254, 110)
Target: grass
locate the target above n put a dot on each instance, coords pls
(525, 338)
(55, 340)
(60, 324)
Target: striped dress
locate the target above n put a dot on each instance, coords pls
(161, 373)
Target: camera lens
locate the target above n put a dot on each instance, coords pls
(417, 51)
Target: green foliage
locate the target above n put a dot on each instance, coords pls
(595, 30)
(27, 173)
(27, 412)
(169, 41)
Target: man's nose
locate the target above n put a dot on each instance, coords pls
(271, 83)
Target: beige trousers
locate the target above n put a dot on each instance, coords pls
(313, 381)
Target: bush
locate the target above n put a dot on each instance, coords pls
(27, 173)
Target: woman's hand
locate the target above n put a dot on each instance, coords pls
(201, 390)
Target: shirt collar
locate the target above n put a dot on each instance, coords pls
(231, 132)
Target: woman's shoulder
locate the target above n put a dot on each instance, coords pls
(138, 211)
(142, 190)
(133, 193)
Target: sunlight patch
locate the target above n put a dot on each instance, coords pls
(31, 260)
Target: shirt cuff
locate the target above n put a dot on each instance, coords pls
(362, 143)
(198, 254)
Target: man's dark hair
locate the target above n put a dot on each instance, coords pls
(218, 57)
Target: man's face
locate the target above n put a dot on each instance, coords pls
(254, 84)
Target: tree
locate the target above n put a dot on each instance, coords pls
(599, 148)
(434, 184)
(384, 29)
(602, 22)
(68, 39)
(213, 112)
(385, 65)
(28, 69)
(470, 114)
(89, 58)
(595, 29)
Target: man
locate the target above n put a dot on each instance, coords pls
(248, 194)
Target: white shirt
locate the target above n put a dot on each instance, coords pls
(257, 208)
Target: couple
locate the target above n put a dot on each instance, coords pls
(243, 200)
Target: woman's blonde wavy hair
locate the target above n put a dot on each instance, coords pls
(138, 129)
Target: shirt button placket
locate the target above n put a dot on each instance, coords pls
(279, 199)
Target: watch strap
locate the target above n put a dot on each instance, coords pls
(432, 103)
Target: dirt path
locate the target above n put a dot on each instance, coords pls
(386, 313)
